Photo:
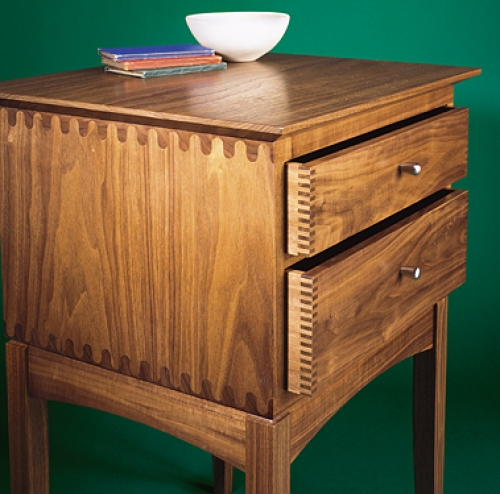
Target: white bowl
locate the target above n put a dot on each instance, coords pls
(239, 36)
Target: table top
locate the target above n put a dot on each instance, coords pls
(275, 96)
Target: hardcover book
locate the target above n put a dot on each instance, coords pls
(141, 52)
(155, 63)
(147, 73)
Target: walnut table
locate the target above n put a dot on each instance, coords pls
(230, 256)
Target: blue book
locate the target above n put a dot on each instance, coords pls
(167, 51)
(147, 73)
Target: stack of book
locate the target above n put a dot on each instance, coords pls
(155, 61)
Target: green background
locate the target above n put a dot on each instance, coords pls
(366, 447)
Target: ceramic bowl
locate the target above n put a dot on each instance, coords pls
(239, 36)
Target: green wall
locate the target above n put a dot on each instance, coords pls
(366, 447)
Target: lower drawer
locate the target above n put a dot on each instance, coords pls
(348, 300)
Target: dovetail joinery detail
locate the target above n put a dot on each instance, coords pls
(124, 132)
(301, 208)
(302, 315)
(115, 249)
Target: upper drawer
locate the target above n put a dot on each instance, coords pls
(358, 183)
(350, 299)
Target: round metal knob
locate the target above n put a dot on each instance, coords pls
(410, 168)
(412, 272)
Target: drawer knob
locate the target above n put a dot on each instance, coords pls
(410, 168)
(412, 272)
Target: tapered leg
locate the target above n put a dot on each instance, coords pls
(223, 476)
(267, 456)
(429, 390)
(28, 433)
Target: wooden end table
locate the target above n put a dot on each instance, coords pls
(230, 256)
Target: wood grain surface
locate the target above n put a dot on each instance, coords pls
(320, 136)
(221, 276)
(354, 185)
(310, 414)
(429, 406)
(268, 456)
(75, 237)
(135, 248)
(276, 95)
(356, 300)
(28, 427)
(214, 428)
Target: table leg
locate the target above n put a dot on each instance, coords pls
(223, 476)
(429, 390)
(267, 456)
(28, 432)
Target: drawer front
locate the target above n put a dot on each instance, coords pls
(348, 305)
(335, 196)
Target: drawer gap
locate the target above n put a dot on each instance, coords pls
(311, 262)
(320, 153)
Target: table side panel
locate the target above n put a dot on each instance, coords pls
(147, 251)
(221, 243)
(74, 237)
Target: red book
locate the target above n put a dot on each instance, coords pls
(157, 63)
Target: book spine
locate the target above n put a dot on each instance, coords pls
(162, 62)
(148, 73)
(147, 52)
(182, 70)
